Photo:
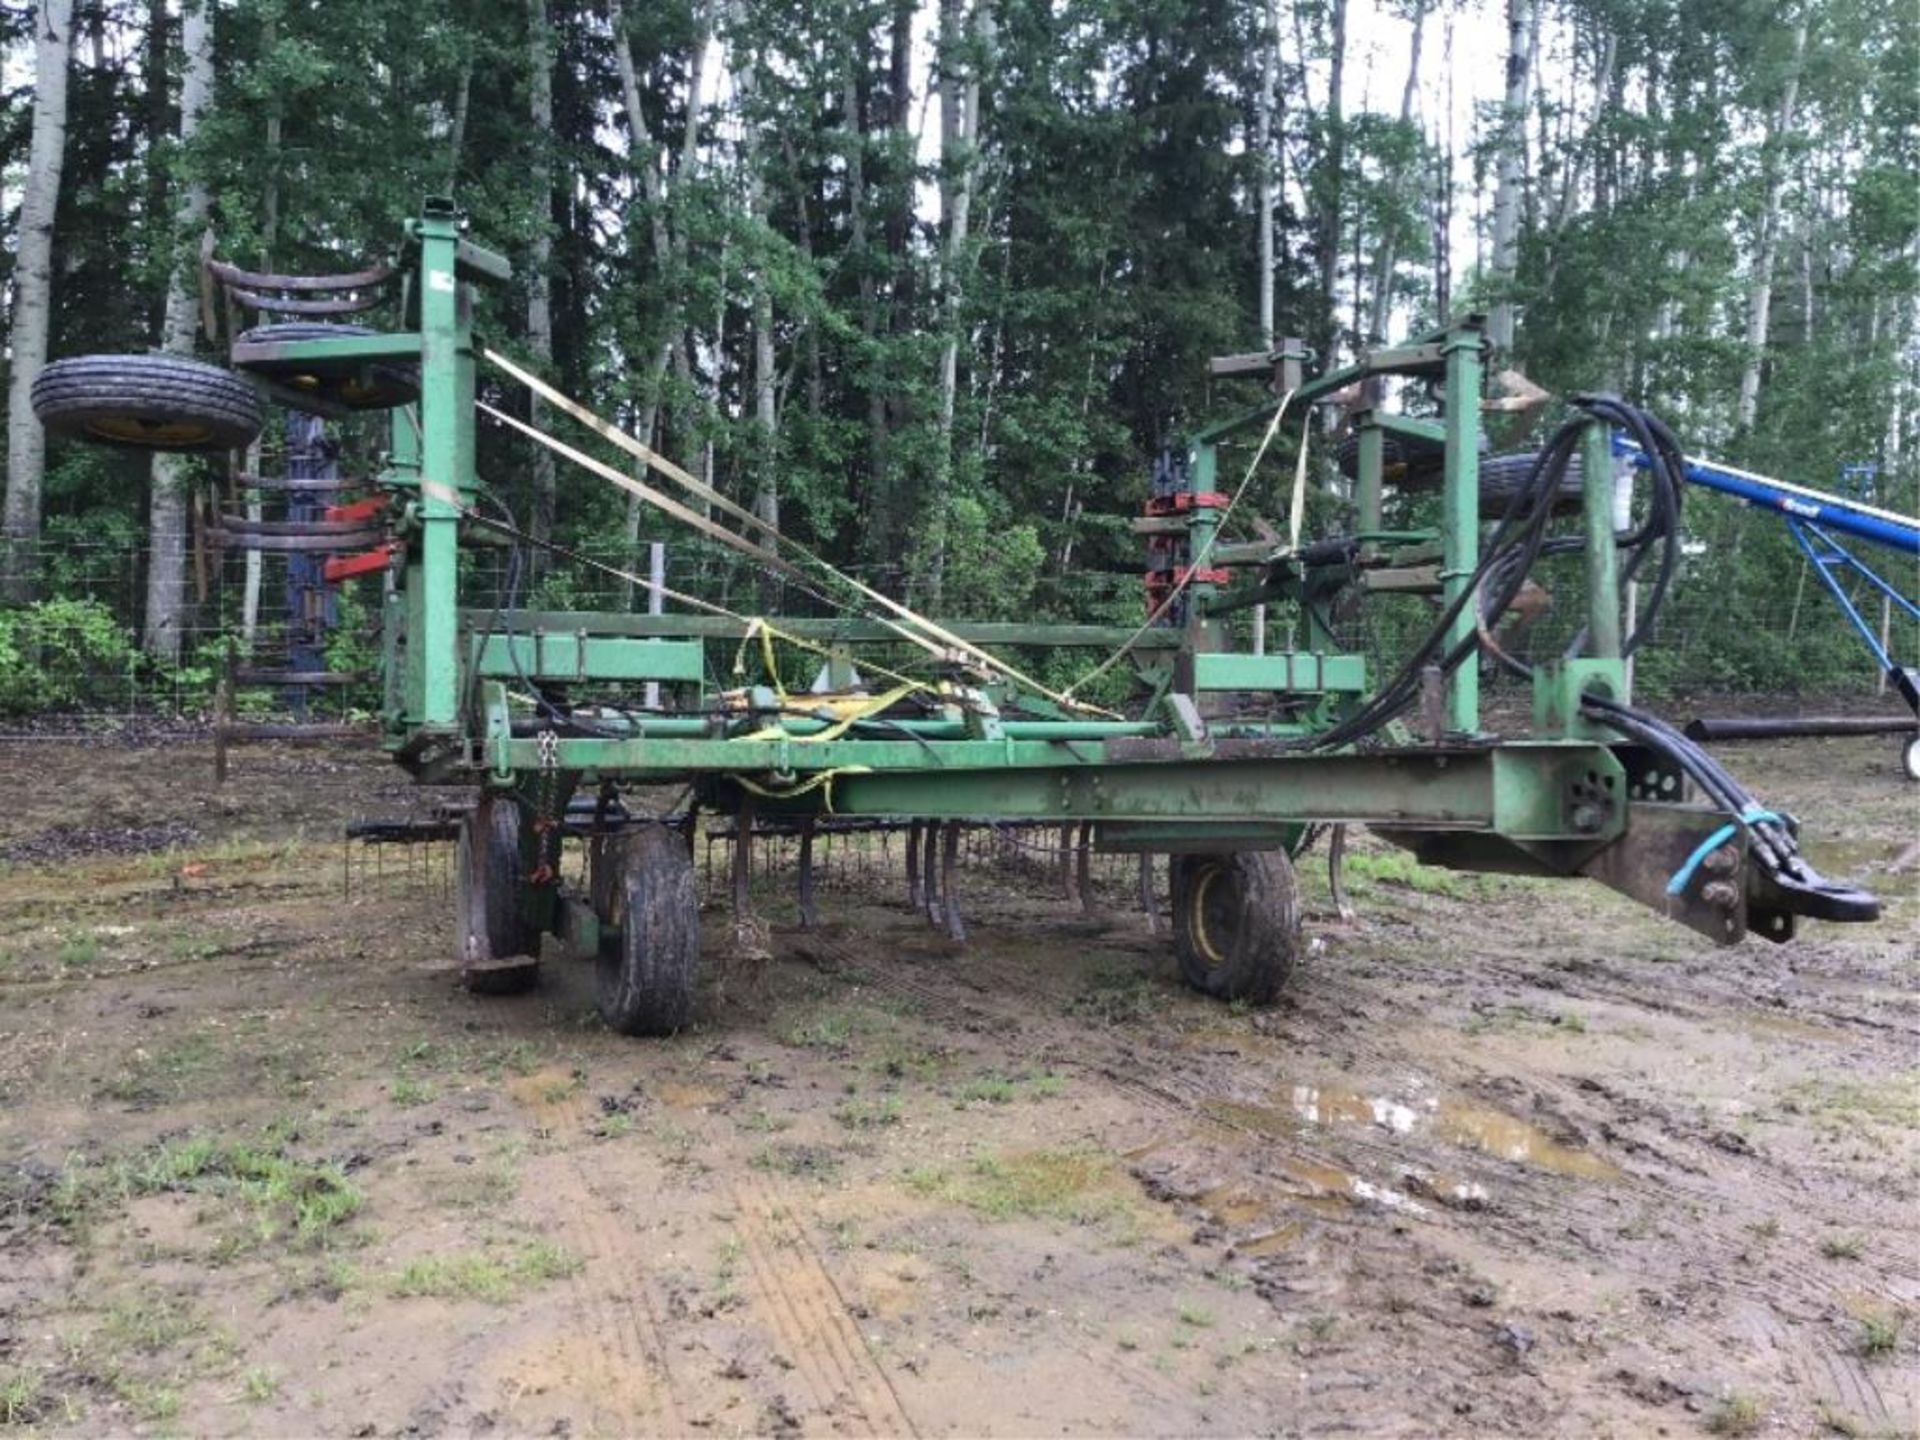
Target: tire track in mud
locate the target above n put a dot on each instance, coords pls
(613, 1291)
(1007, 1000)
(804, 1306)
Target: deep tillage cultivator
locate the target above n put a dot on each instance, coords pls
(1224, 760)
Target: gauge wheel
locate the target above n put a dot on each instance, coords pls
(355, 384)
(1236, 923)
(650, 961)
(147, 402)
(497, 949)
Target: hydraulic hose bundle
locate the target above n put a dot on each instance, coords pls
(1519, 540)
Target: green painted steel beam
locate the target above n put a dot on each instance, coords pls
(1292, 670)
(853, 632)
(566, 655)
(1522, 790)
(402, 345)
(1159, 837)
(1460, 516)
(1603, 562)
(1411, 427)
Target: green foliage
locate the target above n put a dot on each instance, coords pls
(59, 654)
(1111, 252)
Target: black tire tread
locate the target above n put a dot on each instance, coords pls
(1501, 477)
(492, 913)
(400, 383)
(646, 978)
(70, 393)
(1266, 945)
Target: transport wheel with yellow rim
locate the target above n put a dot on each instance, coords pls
(1236, 923)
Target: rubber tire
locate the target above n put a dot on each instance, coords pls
(1406, 463)
(1236, 923)
(391, 385)
(1910, 757)
(490, 922)
(649, 966)
(147, 402)
(1424, 463)
(1501, 477)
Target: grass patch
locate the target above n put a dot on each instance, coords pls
(490, 1183)
(801, 1162)
(1195, 1317)
(993, 1088)
(78, 952)
(145, 1348)
(150, 1325)
(259, 1385)
(406, 1091)
(1894, 1101)
(174, 1071)
(988, 1090)
(868, 1114)
(1366, 871)
(1841, 1247)
(481, 1275)
(831, 1030)
(1079, 1187)
(22, 1399)
(1121, 996)
(280, 1195)
(899, 1058)
(1736, 1415)
(1879, 1335)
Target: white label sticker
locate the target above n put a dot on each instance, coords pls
(439, 280)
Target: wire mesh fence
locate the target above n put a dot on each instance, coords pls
(1764, 624)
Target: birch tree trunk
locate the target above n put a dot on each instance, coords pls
(1330, 198)
(33, 297)
(269, 233)
(643, 158)
(457, 131)
(1263, 150)
(963, 48)
(1384, 259)
(540, 261)
(1512, 151)
(766, 492)
(1760, 286)
(167, 510)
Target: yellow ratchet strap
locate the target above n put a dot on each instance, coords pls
(823, 780)
(850, 710)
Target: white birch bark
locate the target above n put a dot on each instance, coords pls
(1760, 284)
(33, 296)
(540, 260)
(1512, 150)
(167, 509)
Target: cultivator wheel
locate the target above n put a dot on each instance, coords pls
(651, 960)
(349, 384)
(1910, 758)
(146, 402)
(498, 949)
(1236, 923)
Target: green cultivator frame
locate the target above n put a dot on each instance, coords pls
(1223, 763)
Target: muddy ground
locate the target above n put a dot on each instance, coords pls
(1511, 1158)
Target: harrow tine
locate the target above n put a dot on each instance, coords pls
(950, 891)
(808, 919)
